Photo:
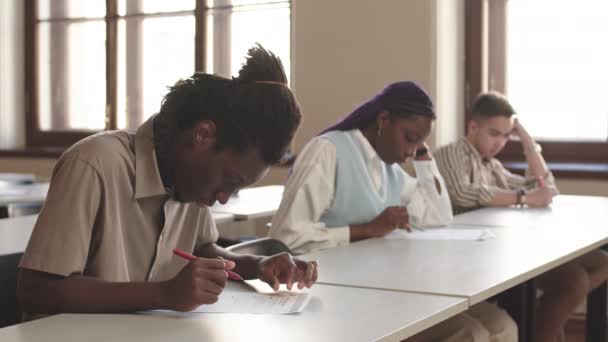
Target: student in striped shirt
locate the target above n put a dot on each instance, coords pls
(475, 178)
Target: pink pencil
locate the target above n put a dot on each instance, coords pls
(188, 256)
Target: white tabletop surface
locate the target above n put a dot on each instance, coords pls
(220, 218)
(17, 177)
(15, 233)
(23, 193)
(335, 313)
(478, 270)
(566, 209)
(253, 203)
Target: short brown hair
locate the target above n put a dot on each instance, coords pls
(491, 104)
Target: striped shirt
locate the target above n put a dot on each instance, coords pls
(472, 180)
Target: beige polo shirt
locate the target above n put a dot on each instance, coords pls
(103, 216)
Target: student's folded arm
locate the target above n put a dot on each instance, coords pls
(528, 182)
(426, 197)
(308, 194)
(502, 198)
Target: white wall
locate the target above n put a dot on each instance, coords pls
(346, 51)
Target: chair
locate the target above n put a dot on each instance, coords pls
(9, 308)
(262, 246)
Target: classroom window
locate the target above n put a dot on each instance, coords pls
(557, 67)
(106, 64)
(547, 57)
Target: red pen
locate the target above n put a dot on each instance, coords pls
(188, 256)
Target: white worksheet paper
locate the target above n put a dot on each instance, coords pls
(280, 302)
(251, 297)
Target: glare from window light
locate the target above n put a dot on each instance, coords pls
(557, 67)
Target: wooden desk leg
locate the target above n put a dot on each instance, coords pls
(596, 314)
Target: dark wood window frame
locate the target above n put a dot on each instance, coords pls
(40, 143)
(38, 140)
(485, 69)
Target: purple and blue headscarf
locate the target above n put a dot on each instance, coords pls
(405, 98)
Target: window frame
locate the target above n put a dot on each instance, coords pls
(485, 69)
(36, 138)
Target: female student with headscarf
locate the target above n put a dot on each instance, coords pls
(347, 185)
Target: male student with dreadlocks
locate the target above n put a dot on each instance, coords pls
(347, 185)
(120, 202)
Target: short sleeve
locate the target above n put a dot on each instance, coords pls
(61, 239)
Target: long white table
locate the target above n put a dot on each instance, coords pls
(22, 178)
(15, 231)
(576, 211)
(376, 281)
(476, 270)
(23, 193)
(335, 313)
(252, 203)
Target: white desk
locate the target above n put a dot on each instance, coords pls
(220, 218)
(477, 270)
(576, 211)
(253, 203)
(23, 193)
(335, 313)
(17, 177)
(15, 233)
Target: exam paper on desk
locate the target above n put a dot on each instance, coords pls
(251, 297)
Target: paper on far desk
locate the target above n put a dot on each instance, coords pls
(442, 234)
(243, 298)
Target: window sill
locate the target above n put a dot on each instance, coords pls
(566, 170)
(47, 152)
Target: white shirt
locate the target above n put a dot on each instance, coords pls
(310, 191)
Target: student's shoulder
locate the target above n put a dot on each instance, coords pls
(448, 150)
(102, 149)
(455, 145)
(452, 153)
(318, 151)
(318, 145)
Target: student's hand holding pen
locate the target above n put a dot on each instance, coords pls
(541, 197)
(283, 268)
(390, 219)
(200, 282)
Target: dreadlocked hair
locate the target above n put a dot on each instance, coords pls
(246, 110)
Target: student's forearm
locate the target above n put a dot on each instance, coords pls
(360, 232)
(536, 163)
(49, 294)
(247, 266)
(504, 198)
